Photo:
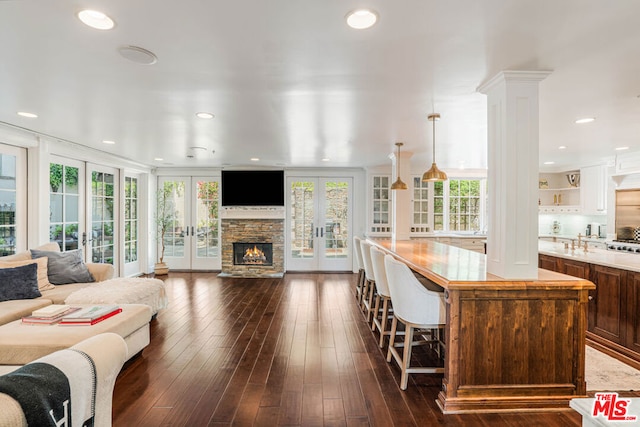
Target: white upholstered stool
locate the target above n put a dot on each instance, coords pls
(418, 309)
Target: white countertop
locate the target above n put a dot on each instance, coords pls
(622, 260)
(573, 237)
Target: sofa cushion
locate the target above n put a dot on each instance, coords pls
(20, 256)
(65, 267)
(19, 283)
(16, 309)
(43, 279)
(60, 293)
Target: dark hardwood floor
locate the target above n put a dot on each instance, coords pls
(267, 352)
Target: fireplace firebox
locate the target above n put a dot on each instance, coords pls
(252, 253)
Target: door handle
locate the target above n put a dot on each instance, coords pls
(316, 231)
(192, 231)
(321, 231)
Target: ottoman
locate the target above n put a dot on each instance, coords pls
(122, 290)
(23, 343)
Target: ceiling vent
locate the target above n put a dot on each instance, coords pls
(138, 55)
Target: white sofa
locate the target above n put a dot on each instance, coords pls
(16, 309)
(139, 298)
(108, 352)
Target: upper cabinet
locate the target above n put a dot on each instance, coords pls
(559, 192)
(583, 191)
(593, 190)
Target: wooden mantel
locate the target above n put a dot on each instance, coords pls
(511, 345)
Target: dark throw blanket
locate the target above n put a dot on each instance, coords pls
(57, 390)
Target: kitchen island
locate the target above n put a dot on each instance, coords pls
(511, 345)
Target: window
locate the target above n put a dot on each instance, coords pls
(8, 202)
(420, 205)
(64, 205)
(131, 221)
(464, 205)
(102, 217)
(381, 220)
(438, 206)
(452, 205)
(207, 218)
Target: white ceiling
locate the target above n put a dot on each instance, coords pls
(290, 83)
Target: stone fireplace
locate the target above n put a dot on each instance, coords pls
(252, 242)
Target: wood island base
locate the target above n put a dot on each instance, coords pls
(511, 345)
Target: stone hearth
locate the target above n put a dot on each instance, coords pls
(258, 230)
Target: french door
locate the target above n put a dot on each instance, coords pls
(102, 242)
(319, 224)
(192, 242)
(13, 199)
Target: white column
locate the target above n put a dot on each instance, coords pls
(401, 199)
(513, 122)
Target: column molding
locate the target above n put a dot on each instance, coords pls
(513, 152)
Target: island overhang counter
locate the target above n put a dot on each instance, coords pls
(511, 345)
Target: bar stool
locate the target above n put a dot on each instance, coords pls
(357, 249)
(369, 282)
(418, 309)
(380, 316)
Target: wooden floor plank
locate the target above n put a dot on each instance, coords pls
(289, 351)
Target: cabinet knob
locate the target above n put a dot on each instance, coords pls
(590, 298)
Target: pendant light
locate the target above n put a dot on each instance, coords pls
(434, 174)
(398, 184)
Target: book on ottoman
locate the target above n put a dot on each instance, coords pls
(37, 319)
(90, 315)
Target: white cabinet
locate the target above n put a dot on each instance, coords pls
(593, 190)
(556, 196)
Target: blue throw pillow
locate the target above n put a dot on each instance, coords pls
(65, 267)
(19, 283)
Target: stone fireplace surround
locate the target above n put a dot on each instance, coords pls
(252, 224)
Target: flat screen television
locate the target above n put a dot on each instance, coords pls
(252, 188)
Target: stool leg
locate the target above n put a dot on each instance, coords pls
(365, 292)
(372, 292)
(376, 308)
(359, 285)
(383, 320)
(406, 357)
(392, 337)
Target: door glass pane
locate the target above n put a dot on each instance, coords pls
(207, 219)
(64, 206)
(130, 219)
(171, 205)
(336, 229)
(102, 201)
(7, 204)
(302, 213)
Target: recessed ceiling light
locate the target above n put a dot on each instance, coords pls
(138, 54)
(326, 159)
(549, 163)
(585, 120)
(621, 148)
(562, 147)
(106, 141)
(255, 159)
(26, 114)
(361, 19)
(204, 115)
(158, 159)
(96, 19)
